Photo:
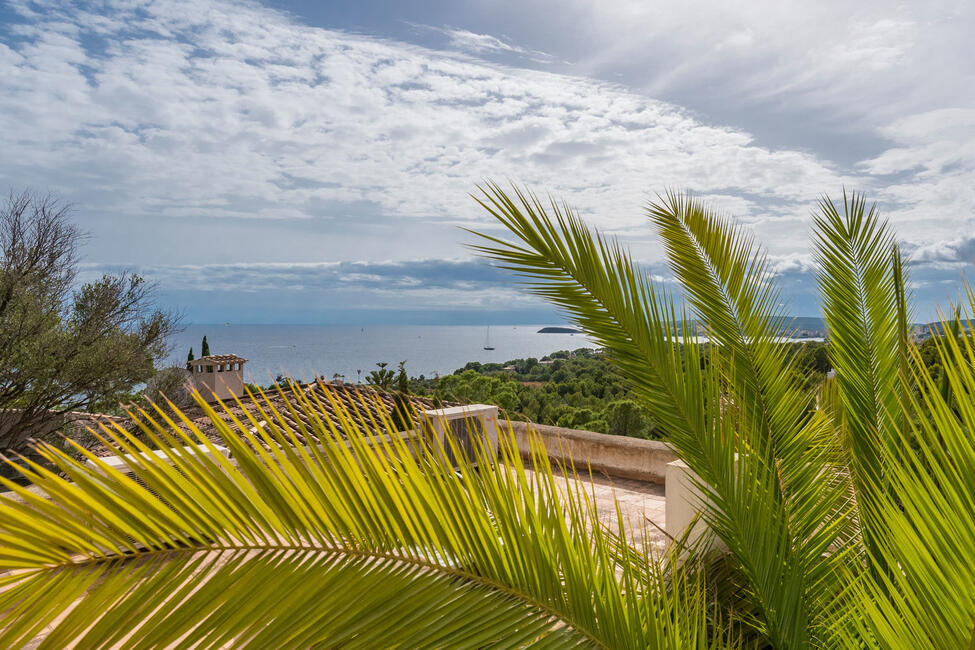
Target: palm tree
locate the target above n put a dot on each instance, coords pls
(850, 524)
(356, 540)
(854, 525)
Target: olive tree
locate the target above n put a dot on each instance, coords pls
(64, 345)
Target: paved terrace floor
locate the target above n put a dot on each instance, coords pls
(641, 503)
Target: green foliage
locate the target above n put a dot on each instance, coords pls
(581, 389)
(189, 359)
(381, 378)
(204, 347)
(846, 510)
(402, 415)
(625, 417)
(529, 390)
(328, 545)
(402, 379)
(65, 346)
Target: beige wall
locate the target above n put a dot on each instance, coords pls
(226, 384)
(685, 502)
(438, 421)
(644, 460)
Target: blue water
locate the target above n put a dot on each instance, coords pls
(304, 351)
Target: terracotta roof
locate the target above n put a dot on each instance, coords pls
(363, 402)
(218, 358)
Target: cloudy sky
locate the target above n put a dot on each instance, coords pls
(306, 162)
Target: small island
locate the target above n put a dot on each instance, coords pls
(558, 330)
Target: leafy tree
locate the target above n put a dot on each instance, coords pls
(597, 425)
(506, 397)
(626, 417)
(381, 378)
(204, 347)
(168, 385)
(575, 418)
(65, 347)
(402, 379)
(402, 414)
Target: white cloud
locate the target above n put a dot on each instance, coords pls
(175, 109)
(474, 43)
(892, 85)
(172, 116)
(871, 61)
(931, 172)
(289, 277)
(334, 287)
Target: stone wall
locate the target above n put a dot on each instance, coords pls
(634, 458)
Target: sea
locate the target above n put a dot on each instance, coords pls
(350, 352)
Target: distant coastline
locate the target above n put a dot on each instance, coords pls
(559, 330)
(349, 353)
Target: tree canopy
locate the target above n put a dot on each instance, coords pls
(65, 345)
(581, 389)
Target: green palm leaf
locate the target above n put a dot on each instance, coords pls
(783, 455)
(926, 500)
(352, 538)
(727, 281)
(597, 285)
(740, 425)
(866, 312)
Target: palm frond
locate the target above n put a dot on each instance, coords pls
(726, 278)
(594, 281)
(337, 534)
(737, 422)
(866, 311)
(927, 597)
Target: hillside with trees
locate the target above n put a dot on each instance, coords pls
(578, 389)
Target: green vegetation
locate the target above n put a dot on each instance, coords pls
(402, 415)
(64, 346)
(581, 389)
(382, 377)
(844, 511)
(567, 389)
(329, 549)
(204, 347)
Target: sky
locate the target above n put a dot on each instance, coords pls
(313, 162)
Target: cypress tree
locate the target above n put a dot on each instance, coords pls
(402, 414)
(205, 348)
(189, 360)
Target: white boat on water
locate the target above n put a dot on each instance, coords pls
(487, 339)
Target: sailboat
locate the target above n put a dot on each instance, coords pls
(487, 340)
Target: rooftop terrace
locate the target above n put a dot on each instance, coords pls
(624, 476)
